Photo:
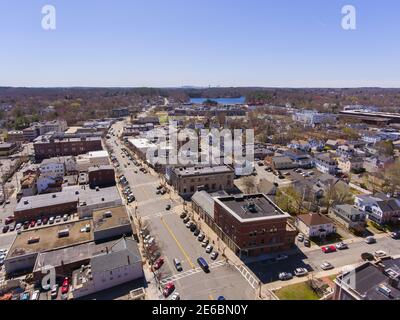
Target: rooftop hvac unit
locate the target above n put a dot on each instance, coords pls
(107, 214)
(32, 240)
(385, 290)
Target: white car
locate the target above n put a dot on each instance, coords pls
(285, 276)
(326, 266)
(209, 249)
(300, 237)
(214, 255)
(58, 219)
(18, 226)
(300, 272)
(341, 246)
(65, 217)
(176, 296)
(370, 240)
(51, 220)
(380, 254)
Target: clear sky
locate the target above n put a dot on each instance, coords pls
(130, 43)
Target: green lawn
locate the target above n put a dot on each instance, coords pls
(300, 291)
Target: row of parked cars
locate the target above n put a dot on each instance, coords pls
(127, 192)
(34, 223)
(205, 243)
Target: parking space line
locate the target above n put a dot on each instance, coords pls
(178, 243)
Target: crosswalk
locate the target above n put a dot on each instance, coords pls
(191, 272)
(157, 215)
(253, 282)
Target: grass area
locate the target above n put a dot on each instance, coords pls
(374, 228)
(300, 291)
(163, 119)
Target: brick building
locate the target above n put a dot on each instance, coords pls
(101, 176)
(48, 148)
(254, 224)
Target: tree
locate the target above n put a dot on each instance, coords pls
(350, 133)
(336, 193)
(392, 177)
(385, 148)
(249, 184)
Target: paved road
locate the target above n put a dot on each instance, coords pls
(176, 241)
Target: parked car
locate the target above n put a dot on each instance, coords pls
(26, 225)
(65, 286)
(193, 227)
(65, 217)
(285, 276)
(300, 237)
(176, 296)
(300, 272)
(205, 243)
(39, 222)
(186, 220)
(214, 255)
(168, 207)
(395, 235)
(209, 248)
(58, 219)
(370, 240)
(178, 265)
(158, 264)
(196, 232)
(203, 264)
(189, 224)
(9, 220)
(45, 220)
(12, 227)
(168, 289)
(326, 266)
(201, 237)
(5, 229)
(18, 226)
(51, 220)
(341, 246)
(32, 224)
(183, 215)
(54, 292)
(328, 249)
(307, 243)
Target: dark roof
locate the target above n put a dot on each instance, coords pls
(314, 219)
(388, 205)
(122, 253)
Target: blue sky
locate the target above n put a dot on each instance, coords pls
(130, 43)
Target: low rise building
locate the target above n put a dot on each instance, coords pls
(282, 163)
(370, 281)
(55, 147)
(253, 225)
(314, 225)
(188, 180)
(15, 136)
(111, 223)
(350, 164)
(350, 217)
(325, 163)
(101, 176)
(8, 148)
(121, 263)
(379, 208)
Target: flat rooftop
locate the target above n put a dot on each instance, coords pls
(198, 171)
(110, 218)
(68, 195)
(64, 140)
(49, 240)
(252, 207)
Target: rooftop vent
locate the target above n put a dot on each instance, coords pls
(54, 196)
(107, 214)
(26, 202)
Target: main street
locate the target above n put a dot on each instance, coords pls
(176, 241)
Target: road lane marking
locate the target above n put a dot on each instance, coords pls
(178, 243)
(191, 272)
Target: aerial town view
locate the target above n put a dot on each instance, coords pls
(149, 155)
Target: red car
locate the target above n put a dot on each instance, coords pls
(168, 289)
(65, 286)
(328, 249)
(32, 224)
(158, 264)
(9, 220)
(45, 220)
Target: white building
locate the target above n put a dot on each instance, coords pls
(313, 118)
(120, 263)
(315, 225)
(92, 159)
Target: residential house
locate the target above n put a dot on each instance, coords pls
(350, 216)
(379, 208)
(315, 225)
(350, 164)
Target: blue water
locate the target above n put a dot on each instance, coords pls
(240, 100)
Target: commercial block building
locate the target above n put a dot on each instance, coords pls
(101, 176)
(254, 224)
(188, 180)
(55, 147)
